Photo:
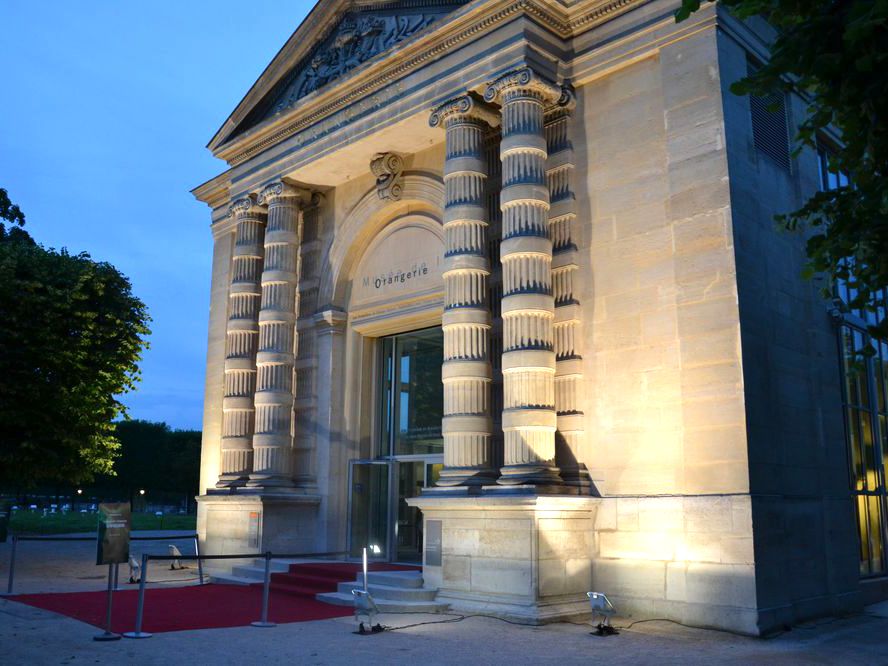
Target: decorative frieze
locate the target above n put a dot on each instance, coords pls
(242, 334)
(528, 305)
(467, 374)
(275, 358)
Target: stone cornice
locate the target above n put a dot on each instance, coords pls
(461, 26)
(214, 192)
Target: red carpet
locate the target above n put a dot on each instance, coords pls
(212, 606)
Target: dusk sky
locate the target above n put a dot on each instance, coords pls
(107, 109)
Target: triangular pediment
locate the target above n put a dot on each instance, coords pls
(325, 53)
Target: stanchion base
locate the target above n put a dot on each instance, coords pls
(260, 623)
(107, 636)
(136, 634)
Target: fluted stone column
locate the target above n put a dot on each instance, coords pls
(568, 338)
(528, 306)
(275, 359)
(242, 335)
(466, 373)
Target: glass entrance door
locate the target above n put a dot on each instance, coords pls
(408, 448)
(370, 508)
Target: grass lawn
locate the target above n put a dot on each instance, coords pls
(34, 522)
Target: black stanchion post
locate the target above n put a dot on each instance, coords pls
(138, 633)
(12, 565)
(108, 635)
(266, 587)
(199, 563)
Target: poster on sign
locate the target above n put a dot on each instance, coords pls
(114, 533)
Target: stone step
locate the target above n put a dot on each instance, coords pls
(229, 579)
(389, 592)
(257, 574)
(392, 578)
(385, 605)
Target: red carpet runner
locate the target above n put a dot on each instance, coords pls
(212, 606)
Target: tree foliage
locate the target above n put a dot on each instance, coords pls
(9, 211)
(834, 53)
(71, 336)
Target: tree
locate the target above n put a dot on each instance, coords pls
(71, 337)
(834, 54)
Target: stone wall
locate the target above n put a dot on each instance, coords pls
(806, 559)
(665, 385)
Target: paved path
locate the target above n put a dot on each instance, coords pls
(59, 566)
(33, 636)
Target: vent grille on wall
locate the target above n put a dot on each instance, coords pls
(770, 126)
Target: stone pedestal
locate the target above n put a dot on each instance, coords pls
(244, 522)
(520, 553)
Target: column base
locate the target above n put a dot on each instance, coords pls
(252, 521)
(466, 476)
(275, 481)
(529, 474)
(232, 481)
(577, 476)
(511, 552)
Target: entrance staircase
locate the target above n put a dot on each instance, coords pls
(395, 588)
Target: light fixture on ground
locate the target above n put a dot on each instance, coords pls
(175, 552)
(601, 605)
(364, 604)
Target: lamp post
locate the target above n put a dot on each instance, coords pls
(142, 495)
(79, 497)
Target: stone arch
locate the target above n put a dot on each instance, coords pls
(422, 193)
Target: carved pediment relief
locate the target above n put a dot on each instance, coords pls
(360, 35)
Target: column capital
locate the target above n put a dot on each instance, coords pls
(565, 104)
(464, 106)
(523, 79)
(246, 207)
(278, 190)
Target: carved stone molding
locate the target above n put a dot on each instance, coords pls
(388, 167)
(240, 147)
(524, 79)
(464, 105)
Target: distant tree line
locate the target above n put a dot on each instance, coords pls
(154, 458)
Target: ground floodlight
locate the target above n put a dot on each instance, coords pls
(135, 570)
(365, 607)
(175, 552)
(601, 605)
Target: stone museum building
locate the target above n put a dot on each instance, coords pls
(497, 290)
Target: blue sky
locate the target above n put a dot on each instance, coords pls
(106, 111)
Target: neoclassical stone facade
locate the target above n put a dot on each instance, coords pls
(478, 274)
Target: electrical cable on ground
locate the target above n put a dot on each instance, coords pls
(628, 627)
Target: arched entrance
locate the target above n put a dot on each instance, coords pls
(395, 303)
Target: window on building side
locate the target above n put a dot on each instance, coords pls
(865, 387)
(770, 124)
(865, 398)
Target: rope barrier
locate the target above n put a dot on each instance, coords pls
(179, 537)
